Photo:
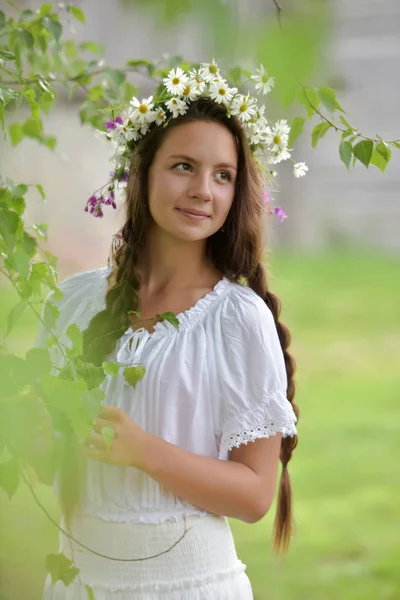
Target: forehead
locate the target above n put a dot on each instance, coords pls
(204, 141)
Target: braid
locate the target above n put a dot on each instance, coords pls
(123, 296)
(283, 523)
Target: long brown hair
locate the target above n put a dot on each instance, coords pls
(237, 251)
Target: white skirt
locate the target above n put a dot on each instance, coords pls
(193, 559)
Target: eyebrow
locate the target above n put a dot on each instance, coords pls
(196, 162)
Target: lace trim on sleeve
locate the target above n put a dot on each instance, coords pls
(274, 415)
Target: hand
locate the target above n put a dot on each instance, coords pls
(129, 446)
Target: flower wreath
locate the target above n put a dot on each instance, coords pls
(268, 142)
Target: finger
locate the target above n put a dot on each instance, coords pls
(96, 454)
(96, 440)
(99, 423)
(111, 412)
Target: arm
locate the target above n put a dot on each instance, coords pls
(242, 487)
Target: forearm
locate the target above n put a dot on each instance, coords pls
(221, 487)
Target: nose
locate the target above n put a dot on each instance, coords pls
(201, 187)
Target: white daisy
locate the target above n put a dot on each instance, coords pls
(177, 106)
(243, 107)
(176, 81)
(143, 112)
(159, 116)
(300, 169)
(209, 71)
(265, 83)
(197, 81)
(276, 157)
(277, 136)
(190, 92)
(221, 92)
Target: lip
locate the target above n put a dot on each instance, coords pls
(196, 215)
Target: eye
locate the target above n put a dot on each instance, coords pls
(182, 163)
(228, 176)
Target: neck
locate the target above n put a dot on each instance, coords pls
(170, 263)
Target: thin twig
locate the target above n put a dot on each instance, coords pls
(279, 11)
(336, 127)
(70, 537)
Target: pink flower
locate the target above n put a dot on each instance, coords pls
(281, 213)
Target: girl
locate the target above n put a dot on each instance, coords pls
(154, 506)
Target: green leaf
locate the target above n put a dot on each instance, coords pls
(61, 568)
(318, 132)
(54, 27)
(384, 151)
(345, 122)
(395, 144)
(310, 99)
(41, 230)
(381, 155)
(16, 133)
(108, 434)
(28, 244)
(77, 13)
(133, 375)
(363, 151)
(38, 362)
(345, 152)
(90, 594)
(94, 47)
(296, 129)
(2, 19)
(9, 477)
(7, 95)
(92, 375)
(6, 55)
(50, 142)
(76, 337)
(111, 368)
(45, 9)
(40, 189)
(51, 314)
(32, 128)
(171, 318)
(117, 76)
(14, 315)
(26, 38)
(20, 262)
(328, 99)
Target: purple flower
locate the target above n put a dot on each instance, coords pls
(112, 123)
(266, 199)
(280, 212)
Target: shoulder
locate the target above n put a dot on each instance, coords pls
(84, 279)
(83, 295)
(81, 284)
(245, 312)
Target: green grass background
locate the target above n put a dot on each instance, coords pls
(343, 310)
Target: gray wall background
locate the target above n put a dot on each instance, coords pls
(328, 206)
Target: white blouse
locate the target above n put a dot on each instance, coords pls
(218, 382)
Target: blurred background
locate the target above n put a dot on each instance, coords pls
(335, 263)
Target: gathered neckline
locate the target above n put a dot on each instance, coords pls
(188, 317)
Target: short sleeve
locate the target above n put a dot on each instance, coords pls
(83, 296)
(252, 374)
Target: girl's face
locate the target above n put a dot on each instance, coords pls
(194, 170)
